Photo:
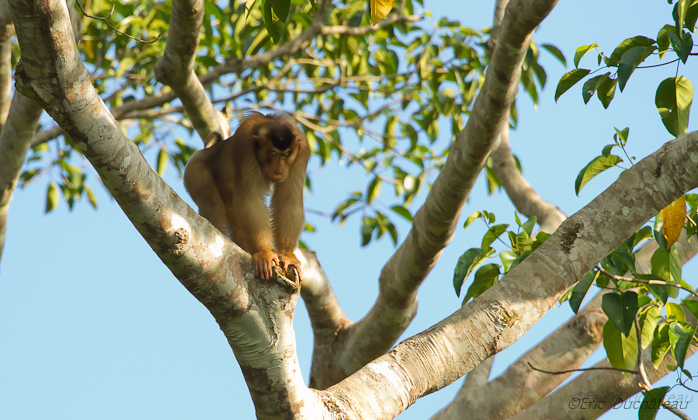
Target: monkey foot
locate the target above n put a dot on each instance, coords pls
(289, 260)
(263, 262)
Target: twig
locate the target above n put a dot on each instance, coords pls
(104, 19)
(561, 372)
(642, 281)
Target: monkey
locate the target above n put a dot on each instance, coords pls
(231, 179)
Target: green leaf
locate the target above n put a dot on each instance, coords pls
(589, 87)
(582, 51)
(580, 289)
(639, 236)
(620, 309)
(467, 263)
(541, 237)
(492, 234)
(485, 278)
(509, 260)
(605, 92)
(568, 80)
(274, 15)
(374, 190)
(651, 403)
(621, 136)
(691, 17)
(629, 61)
(667, 265)
(660, 345)
(91, 196)
(674, 312)
(163, 157)
(682, 44)
(593, 168)
(529, 225)
(660, 292)
(402, 211)
(657, 232)
(556, 52)
(623, 47)
(663, 39)
(648, 322)
(613, 344)
(680, 339)
(673, 101)
(471, 219)
(52, 197)
(692, 306)
(679, 14)
(368, 225)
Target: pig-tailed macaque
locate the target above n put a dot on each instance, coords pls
(231, 179)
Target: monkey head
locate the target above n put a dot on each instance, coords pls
(276, 148)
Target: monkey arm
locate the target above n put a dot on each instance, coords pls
(287, 213)
(249, 218)
(287, 210)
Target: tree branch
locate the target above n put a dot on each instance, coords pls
(502, 314)
(176, 68)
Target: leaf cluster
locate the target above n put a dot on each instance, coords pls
(520, 243)
(674, 95)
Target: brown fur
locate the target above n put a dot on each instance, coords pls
(230, 180)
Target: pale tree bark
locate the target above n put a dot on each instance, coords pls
(256, 317)
(18, 123)
(176, 68)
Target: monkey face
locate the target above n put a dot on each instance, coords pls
(276, 150)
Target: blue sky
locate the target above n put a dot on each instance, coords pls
(92, 324)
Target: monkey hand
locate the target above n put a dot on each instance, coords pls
(287, 260)
(263, 262)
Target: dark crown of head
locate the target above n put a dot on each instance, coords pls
(281, 136)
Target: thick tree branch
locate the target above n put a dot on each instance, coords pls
(21, 124)
(255, 317)
(435, 222)
(502, 314)
(22, 118)
(324, 311)
(176, 68)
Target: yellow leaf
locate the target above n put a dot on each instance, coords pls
(673, 216)
(380, 9)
